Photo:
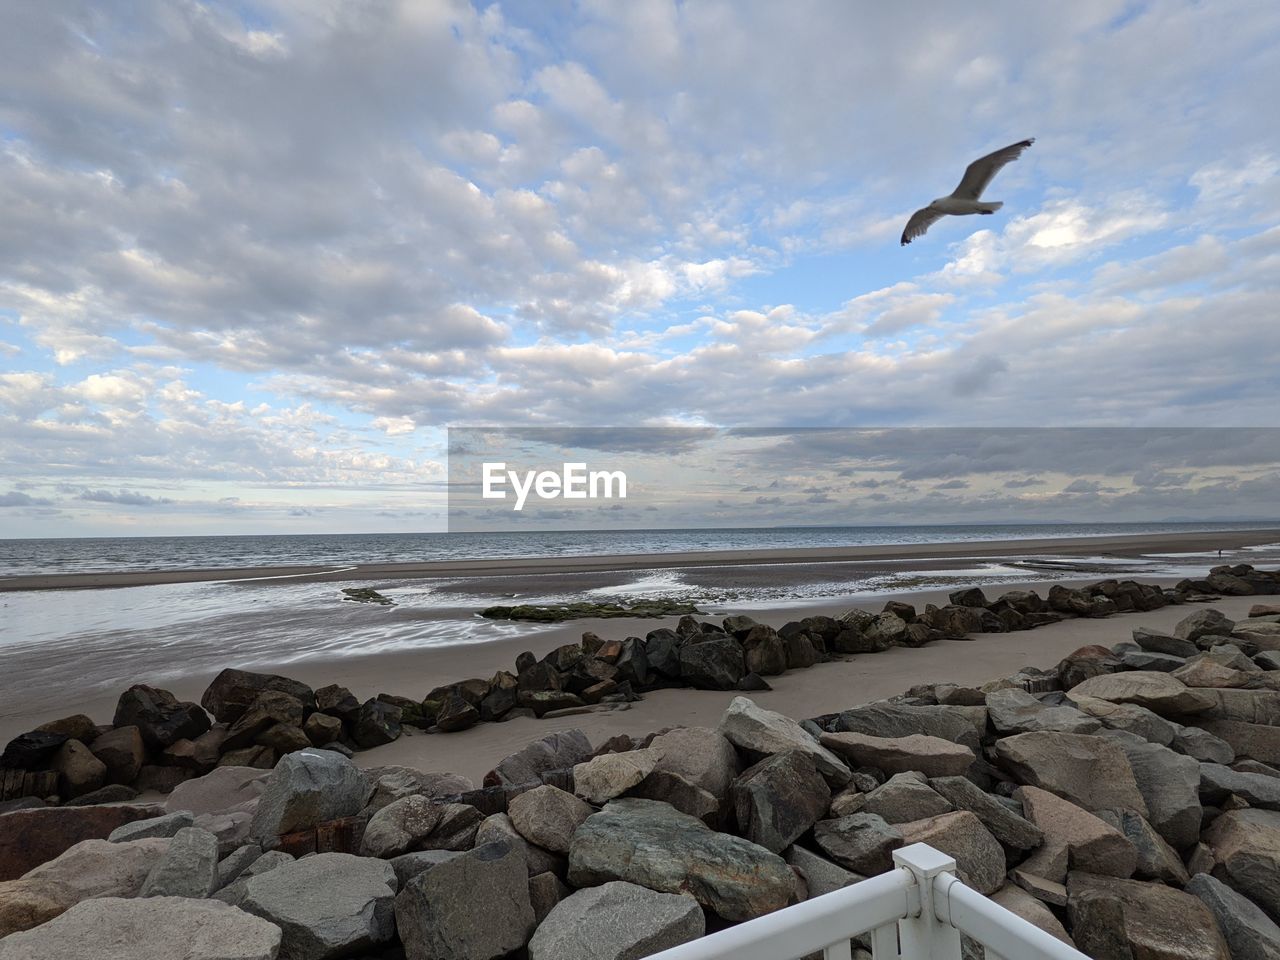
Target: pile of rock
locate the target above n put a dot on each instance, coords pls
(250, 719)
(1129, 806)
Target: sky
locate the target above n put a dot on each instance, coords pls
(257, 257)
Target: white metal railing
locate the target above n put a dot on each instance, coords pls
(914, 912)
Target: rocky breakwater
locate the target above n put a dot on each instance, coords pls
(1130, 807)
(155, 742)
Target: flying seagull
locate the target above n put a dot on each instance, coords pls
(964, 198)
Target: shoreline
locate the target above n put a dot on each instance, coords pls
(935, 555)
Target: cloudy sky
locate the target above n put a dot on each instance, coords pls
(255, 257)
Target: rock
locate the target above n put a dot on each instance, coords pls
(321, 728)
(376, 724)
(1169, 783)
(284, 738)
(1248, 706)
(224, 790)
(439, 916)
(545, 891)
(237, 862)
(1156, 859)
(968, 597)
(409, 865)
(1029, 908)
(159, 717)
(1250, 933)
(456, 714)
(1259, 742)
(123, 753)
(652, 844)
(556, 751)
(199, 755)
(308, 788)
(111, 793)
(1217, 783)
(1006, 826)
(329, 905)
(1085, 664)
(602, 778)
(861, 842)
(1246, 846)
(978, 855)
(821, 876)
(960, 725)
(1092, 845)
(30, 751)
(712, 664)
(1112, 917)
(161, 928)
(931, 756)
(1016, 711)
(1129, 717)
(260, 758)
(1158, 692)
(189, 868)
(1203, 623)
(269, 708)
(702, 756)
(1092, 772)
(764, 652)
(548, 816)
(672, 788)
(166, 826)
(91, 868)
(79, 771)
(905, 797)
(29, 838)
(762, 732)
(1157, 642)
(499, 828)
(417, 823)
(1202, 745)
(233, 691)
(393, 782)
(616, 921)
(779, 799)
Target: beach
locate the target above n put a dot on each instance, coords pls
(49, 681)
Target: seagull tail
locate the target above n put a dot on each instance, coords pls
(991, 207)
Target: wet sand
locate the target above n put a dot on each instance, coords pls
(925, 556)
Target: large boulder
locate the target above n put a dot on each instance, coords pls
(761, 733)
(905, 797)
(1111, 917)
(376, 724)
(616, 921)
(779, 799)
(122, 751)
(1092, 772)
(161, 928)
(556, 751)
(474, 906)
(1022, 904)
(1156, 859)
(79, 771)
(963, 725)
(764, 652)
(418, 823)
(228, 789)
(233, 691)
(861, 842)
(1129, 717)
(1217, 783)
(159, 716)
(1246, 706)
(700, 755)
(1250, 933)
(931, 756)
(712, 664)
(1091, 844)
(651, 844)
(29, 838)
(1157, 691)
(189, 867)
(1246, 848)
(1254, 741)
(1015, 711)
(548, 816)
(610, 775)
(1203, 623)
(1170, 786)
(308, 788)
(498, 828)
(979, 857)
(1013, 831)
(393, 782)
(92, 868)
(269, 708)
(328, 906)
(31, 751)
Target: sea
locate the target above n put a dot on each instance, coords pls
(100, 639)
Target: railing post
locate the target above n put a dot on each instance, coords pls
(923, 936)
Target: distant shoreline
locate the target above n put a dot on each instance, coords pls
(939, 556)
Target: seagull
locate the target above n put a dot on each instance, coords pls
(964, 198)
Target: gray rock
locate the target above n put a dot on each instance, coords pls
(1249, 932)
(392, 783)
(1155, 690)
(556, 751)
(905, 797)
(1073, 835)
(237, 862)
(1156, 859)
(1203, 623)
(957, 724)
(931, 756)
(189, 868)
(545, 891)
(1092, 772)
(1246, 846)
(701, 755)
(409, 865)
(159, 928)
(616, 921)
(1011, 829)
(861, 842)
(1016, 711)
(671, 787)
(308, 788)
(328, 906)
(419, 823)
(1170, 787)
(1157, 642)
(547, 816)
(440, 917)
(1156, 662)
(165, 826)
(610, 775)
(499, 828)
(979, 857)
(654, 845)
(762, 733)
(820, 874)
(1111, 917)
(1255, 741)
(1202, 745)
(1129, 717)
(779, 799)
(224, 790)
(1218, 782)
(712, 664)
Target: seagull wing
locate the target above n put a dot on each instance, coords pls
(979, 174)
(920, 221)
